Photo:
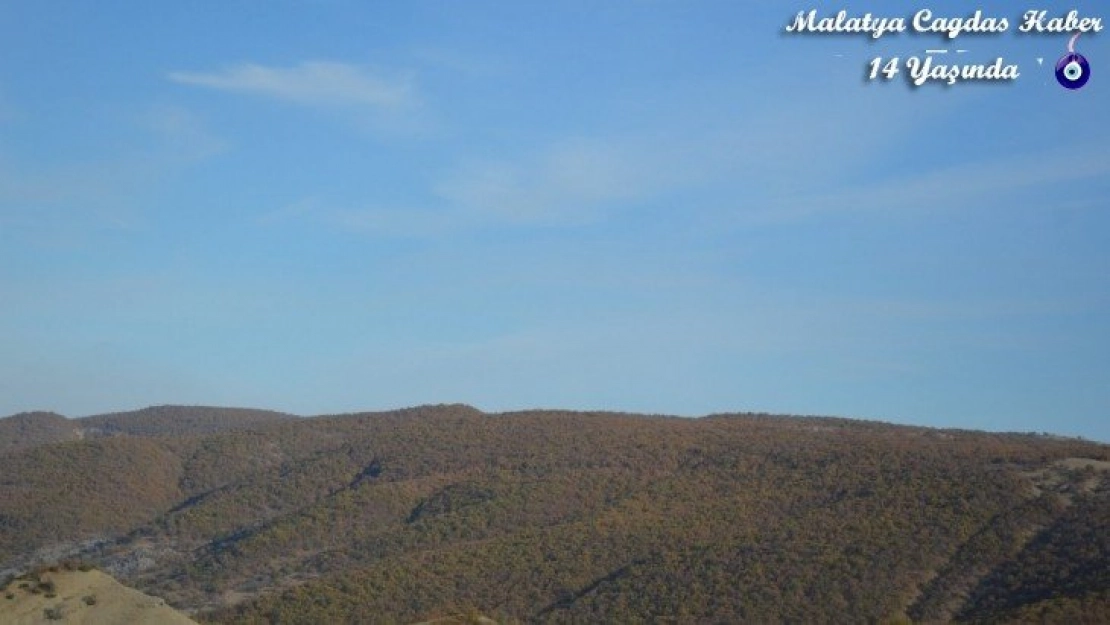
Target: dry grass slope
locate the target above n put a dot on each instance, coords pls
(84, 598)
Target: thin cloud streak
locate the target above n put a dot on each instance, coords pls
(183, 133)
(953, 187)
(570, 182)
(310, 83)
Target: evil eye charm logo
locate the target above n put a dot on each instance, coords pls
(1072, 70)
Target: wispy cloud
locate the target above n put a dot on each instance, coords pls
(957, 187)
(747, 152)
(183, 132)
(464, 63)
(310, 83)
(573, 181)
(113, 187)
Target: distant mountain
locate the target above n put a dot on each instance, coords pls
(546, 516)
(180, 420)
(29, 429)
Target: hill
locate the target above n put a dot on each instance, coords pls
(31, 429)
(88, 597)
(179, 420)
(549, 516)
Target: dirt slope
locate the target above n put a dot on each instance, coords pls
(84, 598)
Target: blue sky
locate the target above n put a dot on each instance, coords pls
(657, 206)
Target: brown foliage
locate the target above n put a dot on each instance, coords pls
(586, 517)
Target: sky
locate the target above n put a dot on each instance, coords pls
(659, 206)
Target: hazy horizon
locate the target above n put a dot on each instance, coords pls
(525, 409)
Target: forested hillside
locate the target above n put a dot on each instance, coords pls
(30, 429)
(179, 420)
(552, 516)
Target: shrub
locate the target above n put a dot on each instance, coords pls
(53, 614)
(89, 599)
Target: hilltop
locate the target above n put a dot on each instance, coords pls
(30, 429)
(553, 516)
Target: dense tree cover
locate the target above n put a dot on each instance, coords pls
(31, 429)
(586, 517)
(1062, 571)
(82, 490)
(180, 420)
